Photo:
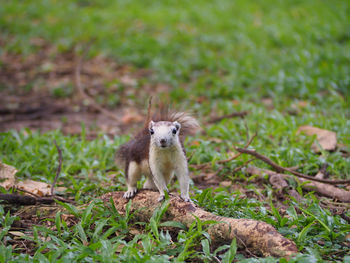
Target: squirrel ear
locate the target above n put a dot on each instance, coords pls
(177, 125)
(150, 125)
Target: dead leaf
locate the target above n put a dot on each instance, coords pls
(135, 231)
(128, 80)
(236, 102)
(195, 143)
(131, 117)
(268, 102)
(225, 183)
(303, 104)
(7, 175)
(120, 248)
(16, 233)
(201, 99)
(215, 140)
(38, 188)
(278, 182)
(60, 189)
(327, 139)
(300, 105)
(295, 194)
(66, 217)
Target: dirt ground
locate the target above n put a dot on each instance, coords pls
(39, 91)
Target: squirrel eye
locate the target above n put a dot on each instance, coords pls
(151, 131)
(174, 131)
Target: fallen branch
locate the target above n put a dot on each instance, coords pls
(30, 200)
(206, 165)
(238, 154)
(8, 173)
(15, 189)
(321, 188)
(279, 168)
(18, 199)
(228, 116)
(256, 236)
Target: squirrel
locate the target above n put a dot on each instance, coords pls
(157, 152)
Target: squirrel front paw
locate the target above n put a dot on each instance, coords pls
(186, 199)
(161, 198)
(130, 193)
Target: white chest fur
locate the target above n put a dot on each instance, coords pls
(166, 159)
(164, 163)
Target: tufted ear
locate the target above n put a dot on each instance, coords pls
(150, 125)
(177, 125)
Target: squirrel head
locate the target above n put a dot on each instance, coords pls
(164, 134)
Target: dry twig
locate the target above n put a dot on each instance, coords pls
(321, 188)
(25, 191)
(228, 116)
(206, 165)
(279, 168)
(238, 154)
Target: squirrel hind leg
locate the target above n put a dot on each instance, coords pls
(145, 170)
(133, 175)
(149, 184)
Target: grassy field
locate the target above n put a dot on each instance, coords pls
(287, 63)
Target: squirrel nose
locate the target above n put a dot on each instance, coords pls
(162, 141)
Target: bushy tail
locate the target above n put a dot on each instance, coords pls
(189, 125)
(121, 155)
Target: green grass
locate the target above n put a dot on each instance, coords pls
(232, 55)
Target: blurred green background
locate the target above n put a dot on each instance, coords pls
(217, 49)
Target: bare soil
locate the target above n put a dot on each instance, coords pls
(38, 92)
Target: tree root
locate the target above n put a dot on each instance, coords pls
(256, 236)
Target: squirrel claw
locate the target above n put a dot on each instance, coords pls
(130, 193)
(187, 199)
(161, 198)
